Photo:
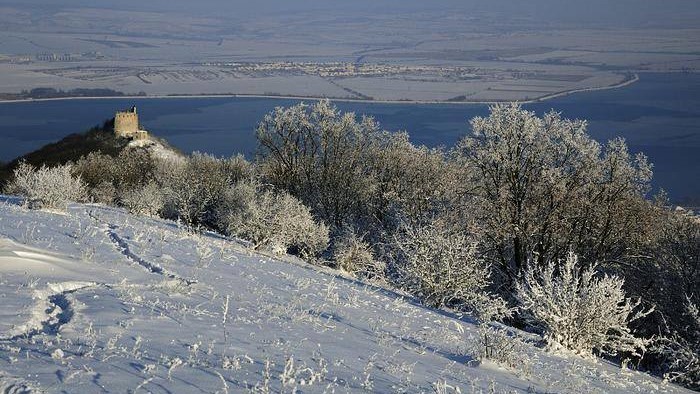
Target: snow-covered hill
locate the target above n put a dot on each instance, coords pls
(96, 300)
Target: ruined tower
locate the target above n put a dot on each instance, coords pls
(126, 124)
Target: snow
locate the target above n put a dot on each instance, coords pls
(157, 149)
(97, 300)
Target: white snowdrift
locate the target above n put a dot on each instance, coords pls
(18, 258)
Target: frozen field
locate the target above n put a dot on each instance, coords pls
(163, 48)
(96, 300)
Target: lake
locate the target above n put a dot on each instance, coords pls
(659, 115)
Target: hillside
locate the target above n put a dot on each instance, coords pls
(97, 300)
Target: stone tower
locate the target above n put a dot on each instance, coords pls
(126, 123)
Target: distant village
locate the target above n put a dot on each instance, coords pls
(51, 57)
(343, 69)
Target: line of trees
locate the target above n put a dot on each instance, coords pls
(527, 219)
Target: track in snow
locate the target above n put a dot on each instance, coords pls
(52, 311)
(124, 249)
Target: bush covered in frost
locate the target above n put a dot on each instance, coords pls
(354, 255)
(442, 266)
(272, 220)
(195, 187)
(146, 200)
(679, 354)
(579, 310)
(47, 187)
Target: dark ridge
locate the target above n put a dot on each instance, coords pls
(48, 93)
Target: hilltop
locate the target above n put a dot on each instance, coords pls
(97, 139)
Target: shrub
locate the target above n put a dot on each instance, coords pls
(272, 220)
(502, 347)
(680, 354)
(47, 187)
(441, 266)
(103, 193)
(109, 177)
(579, 311)
(96, 168)
(354, 255)
(195, 187)
(147, 200)
(133, 168)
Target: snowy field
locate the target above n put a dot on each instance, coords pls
(95, 300)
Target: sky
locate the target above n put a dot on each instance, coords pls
(611, 13)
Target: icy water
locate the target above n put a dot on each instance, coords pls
(659, 115)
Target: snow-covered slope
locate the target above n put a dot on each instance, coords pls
(96, 300)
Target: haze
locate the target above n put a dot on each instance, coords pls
(669, 13)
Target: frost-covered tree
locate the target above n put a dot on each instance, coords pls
(272, 220)
(109, 176)
(350, 172)
(133, 168)
(96, 168)
(579, 310)
(409, 184)
(678, 247)
(47, 187)
(316, 153)
(668, 269)
(542, 186)
(102, 193)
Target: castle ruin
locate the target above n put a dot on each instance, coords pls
(126, 125)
